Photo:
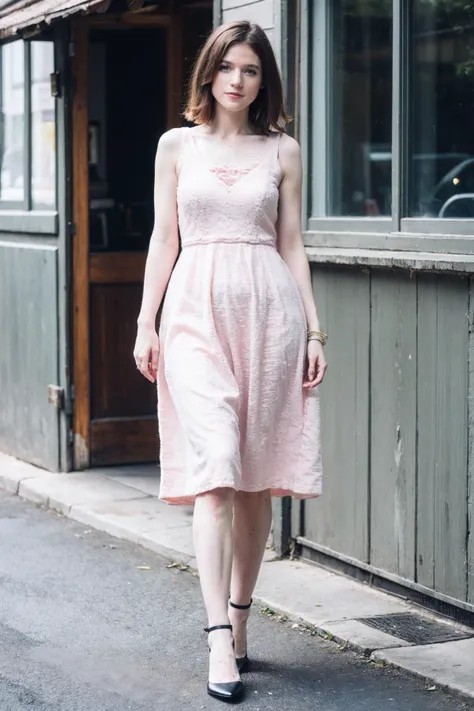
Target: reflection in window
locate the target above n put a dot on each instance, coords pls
(360, 91)
(43, 135)
(442, 95)
(12, 137)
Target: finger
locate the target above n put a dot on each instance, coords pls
(146, 373)
(320, 375)
(154, 360)
(312, 370)
(142, 363)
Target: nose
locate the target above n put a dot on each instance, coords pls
(236, 79)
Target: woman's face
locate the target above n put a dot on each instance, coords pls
(238, 79)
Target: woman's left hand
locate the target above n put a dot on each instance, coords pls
(316, 365)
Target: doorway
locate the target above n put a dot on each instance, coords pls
(128, 81)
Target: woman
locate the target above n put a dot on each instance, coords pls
(240, 348)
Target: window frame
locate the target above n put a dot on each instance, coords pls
(395, 232)
(22, 216)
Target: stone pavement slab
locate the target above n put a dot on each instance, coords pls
(63, 491)
(13, 471)
(146, 478)
(125, 505)
(320, 596)
(449, 665)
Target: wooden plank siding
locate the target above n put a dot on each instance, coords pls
(398, 426)
(341, 521)
(470, 470)
(29, 425)
(393, 422)
(442, 433)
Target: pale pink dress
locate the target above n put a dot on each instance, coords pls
(231, 406)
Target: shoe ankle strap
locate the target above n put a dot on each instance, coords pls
(217, 627)
(241, 607)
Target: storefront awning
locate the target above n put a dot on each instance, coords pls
(27, 16)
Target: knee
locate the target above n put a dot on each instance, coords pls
(218, 501)
(253, 499)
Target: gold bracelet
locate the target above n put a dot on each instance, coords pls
(318, 336)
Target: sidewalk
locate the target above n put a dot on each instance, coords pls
(123, 502)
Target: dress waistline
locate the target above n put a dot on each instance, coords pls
(220, 240)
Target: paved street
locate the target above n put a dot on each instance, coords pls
(83, 627)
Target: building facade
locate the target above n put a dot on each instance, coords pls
(384, 108)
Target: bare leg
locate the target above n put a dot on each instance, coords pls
(212, 526)
(252, 522)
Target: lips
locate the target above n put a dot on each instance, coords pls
(234, 95)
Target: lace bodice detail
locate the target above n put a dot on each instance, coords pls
(227, 203)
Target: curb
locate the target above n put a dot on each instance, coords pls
(17, 484)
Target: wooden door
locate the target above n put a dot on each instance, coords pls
(115, 408)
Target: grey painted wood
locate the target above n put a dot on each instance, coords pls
(29, 362)
(216, 12)
(393, 423)
(339, 519)
(259, 11)
(36, 222)
(470, 492)
(443, 330)
(64, 182)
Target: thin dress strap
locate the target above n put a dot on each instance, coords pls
(184, 146)
(274, 147)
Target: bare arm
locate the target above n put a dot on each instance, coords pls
(290, 242)
(164, 243)
(162, 253)
(291, 248)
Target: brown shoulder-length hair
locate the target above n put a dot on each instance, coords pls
(267, 112)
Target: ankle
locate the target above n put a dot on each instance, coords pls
(238, 604)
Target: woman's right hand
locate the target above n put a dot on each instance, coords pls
(147, 351)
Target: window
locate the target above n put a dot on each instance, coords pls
(43, 127)
(28, 127)
(441, 163)
(360, 108)
(12, 137)
(387, 117)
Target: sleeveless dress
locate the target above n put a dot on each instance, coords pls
(231, 406)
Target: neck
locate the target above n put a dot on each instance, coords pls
(228, 125)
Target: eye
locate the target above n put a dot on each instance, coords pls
(224, 67)
(252, 72)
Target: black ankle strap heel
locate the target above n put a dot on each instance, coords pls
(242, 662)
(225, 691)
(241, 607)
(218, 627)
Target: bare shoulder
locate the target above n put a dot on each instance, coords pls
(289, 146)
(290, 156)
(169, 144)
(171, 139)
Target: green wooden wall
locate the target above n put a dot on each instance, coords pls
(29, 362)
(398, 425)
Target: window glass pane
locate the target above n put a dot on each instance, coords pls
(12, 138)
(43, 126)
(441, 161)
(360, 117)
